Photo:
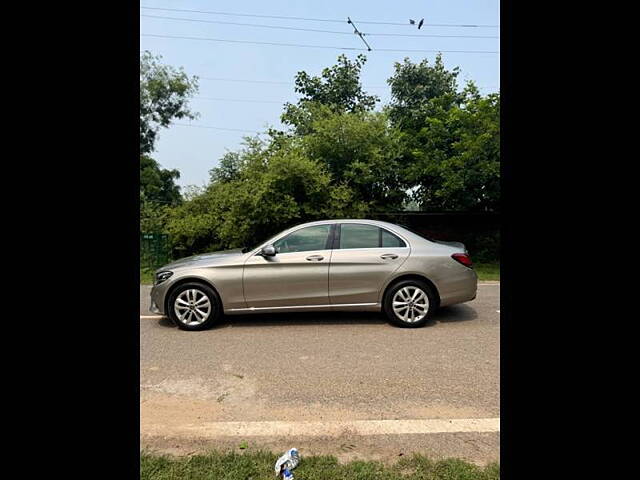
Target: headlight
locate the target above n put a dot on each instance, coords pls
(162, 276)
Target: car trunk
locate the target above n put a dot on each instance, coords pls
(452, 244)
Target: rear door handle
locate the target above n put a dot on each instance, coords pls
(389, 256)
(315, 258)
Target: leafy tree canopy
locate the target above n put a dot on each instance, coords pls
(164, 96)
(338, 87)
(158, 184)
(415, 87)
(453, 161)
(361, 150)
(433, 147)
(270, 191)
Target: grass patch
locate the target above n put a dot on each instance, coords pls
(258, 465)
(487, 271)
(146, 276)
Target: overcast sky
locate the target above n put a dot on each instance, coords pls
(244, 105)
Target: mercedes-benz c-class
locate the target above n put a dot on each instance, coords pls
(332, 265)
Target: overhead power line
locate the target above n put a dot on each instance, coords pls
(413, 35)
(331, 47)
(313, 30)
(244, 80)
(220, 99)
(278, 102)
(329, 20)
(277, 27)
(267, 81)
(273, 82)
(216, 128)
(178, 37)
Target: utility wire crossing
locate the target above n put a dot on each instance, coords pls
(357, 32)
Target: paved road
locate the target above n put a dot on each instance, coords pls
(326, 368)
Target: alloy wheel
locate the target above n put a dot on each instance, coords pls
(192, 307)
(410, 304)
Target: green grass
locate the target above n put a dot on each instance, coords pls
(146, 276)
(258, 465)
(487, 271)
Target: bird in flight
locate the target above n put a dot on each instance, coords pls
(412, 22)
(420, 24)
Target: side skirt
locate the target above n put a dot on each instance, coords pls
(349, 307)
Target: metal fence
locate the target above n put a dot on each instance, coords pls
(154, 250)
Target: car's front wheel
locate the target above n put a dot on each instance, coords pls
(194, 306)
(410, 303)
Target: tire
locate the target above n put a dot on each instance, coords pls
(407, 291)
(186, 306)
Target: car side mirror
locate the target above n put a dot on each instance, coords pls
(268, 251)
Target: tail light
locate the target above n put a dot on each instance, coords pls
(463, 258)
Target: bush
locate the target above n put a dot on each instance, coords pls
(273, 191)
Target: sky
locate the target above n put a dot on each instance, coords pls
(245, 105)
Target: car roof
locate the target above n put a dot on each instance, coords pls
(349, 220)
(397, 229)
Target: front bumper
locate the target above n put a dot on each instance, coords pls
(158, 293)
(154, 308)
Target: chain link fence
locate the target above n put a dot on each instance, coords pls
(154, 250)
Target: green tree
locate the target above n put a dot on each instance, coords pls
(338, 87)
(433, 147)
(158, 184)
(361, 150)
(454, 159)
(153, 216)
(272, 190)
(415, 87)
(232, 164)
(450, 160)
(164, 96)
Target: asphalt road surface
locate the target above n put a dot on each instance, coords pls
(339, 373)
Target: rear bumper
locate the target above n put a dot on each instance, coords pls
(459, 288)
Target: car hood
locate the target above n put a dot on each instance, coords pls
(205, 259)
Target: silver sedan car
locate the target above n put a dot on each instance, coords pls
(333, 265)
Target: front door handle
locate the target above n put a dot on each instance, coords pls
(315, 258)
(389, 256)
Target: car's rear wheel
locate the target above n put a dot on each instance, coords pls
(410, 303)
(194, 306)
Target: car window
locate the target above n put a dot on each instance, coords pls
(389, 240)
(353, 235)
(304, 240)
